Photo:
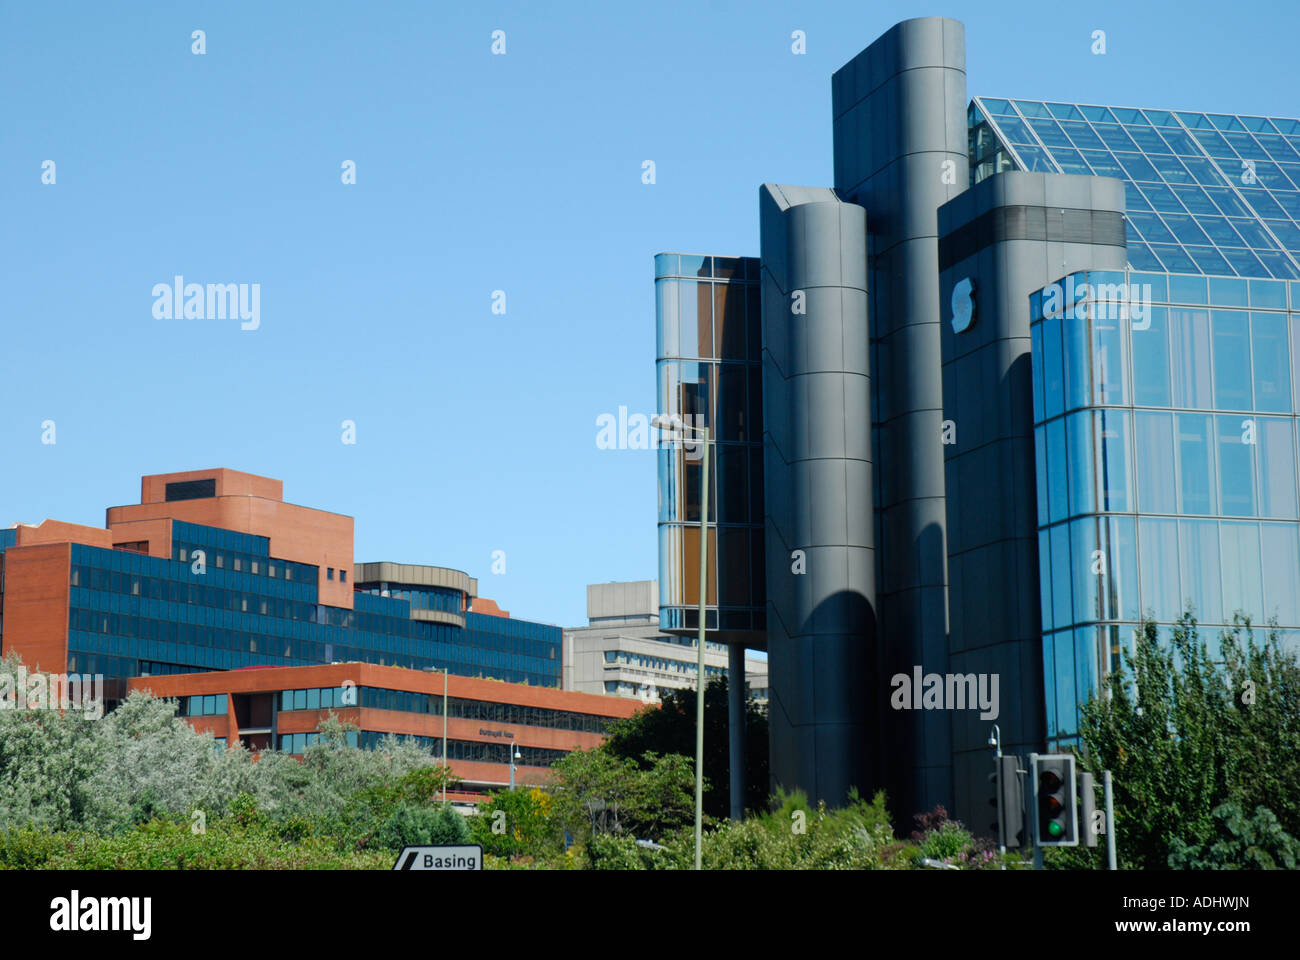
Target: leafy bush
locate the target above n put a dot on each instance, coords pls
(411, 825)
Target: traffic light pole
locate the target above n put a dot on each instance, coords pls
(1110, 821)
(1032, 812)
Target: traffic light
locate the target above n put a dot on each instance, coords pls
(1058, 819)
(1006, 797)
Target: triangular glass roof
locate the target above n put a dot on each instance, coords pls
(1207, 193)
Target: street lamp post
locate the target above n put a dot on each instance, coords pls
(675, 423)
(995, 741)
(514, 753)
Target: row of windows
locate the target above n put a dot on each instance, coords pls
(1166, 463)
(299, 742)
(1126, 568)
(456, 749)
(234, 541)
(507, 643)
(201, 648)
(207, 705)
(1186, 358)
(197, 594)
(422, 598)
(406, 701)
(252, 564)
(708, 320)
(726, 398)
(735, 559)
(659, 663)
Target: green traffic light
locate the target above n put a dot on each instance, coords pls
(1055, 829)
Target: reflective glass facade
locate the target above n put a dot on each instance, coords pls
(1207, 193)
(708, 368)
(132, 614)
(1166, 439)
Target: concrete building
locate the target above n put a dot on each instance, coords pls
(966, 470)
(622, 651)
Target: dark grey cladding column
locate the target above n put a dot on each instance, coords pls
(1010, 235)
(900, 151)
(817, 489)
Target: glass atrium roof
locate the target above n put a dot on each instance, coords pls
(1207, 193)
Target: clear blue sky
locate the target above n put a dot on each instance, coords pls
(475, 173)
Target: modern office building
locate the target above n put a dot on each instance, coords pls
(622, 651)
(487, 720)
(212, 570)
(973, 464)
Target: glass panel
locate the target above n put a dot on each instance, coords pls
(1272, 368)
(1082, 474)
(1236, 466)
(1159, 567)
(1190, 339)
(729, 320)
(1109, 360)
(1274, 437)
(1281, 574)
(1200, 568)
(1045, 577)
(1150, 337)
(1195, 458)
(1040, 472)
(1114, 478)
(1053, 378)
(1231, 360)
(1155, 463)
(1062, 608)
(1057, 499)
(667, 301)
(1065, 706)
(1086, 569)
(1121, 581)
(1241, 574)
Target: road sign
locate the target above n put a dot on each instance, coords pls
(468, 856)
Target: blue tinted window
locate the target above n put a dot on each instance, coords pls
(1271, 362)
(1159, 568)
(1086, 573)
(1065, 704)
(1053, 383)
(1121, 579)
(1062, 606)
(1195, 459)
(1082, 473)
(1045, 577)
(1232, 381)
(1057, 499)
(1236, 466)
(1189, 334)
(1040, 472)
(1275, 453)
(1150, 339)
(1155, 463)
(1114, 477)
(1242, 584)
(1281, 571)
(1183, 289)
(1200, 568)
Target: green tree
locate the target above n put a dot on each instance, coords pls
(670, 729)
(1184, 732)
(597, 792)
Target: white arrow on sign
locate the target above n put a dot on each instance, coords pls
(468, 856)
